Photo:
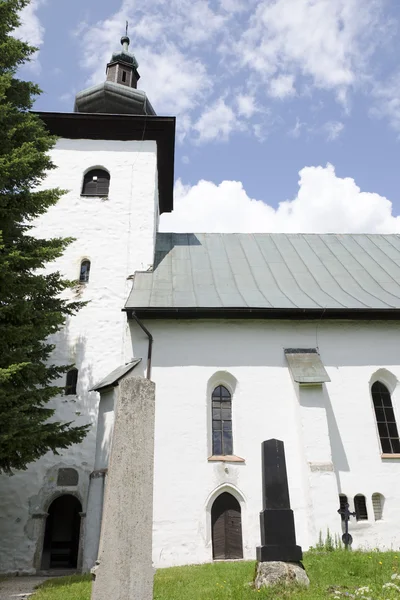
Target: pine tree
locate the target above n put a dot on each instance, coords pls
(31, 303)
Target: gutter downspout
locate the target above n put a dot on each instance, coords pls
(149, 353)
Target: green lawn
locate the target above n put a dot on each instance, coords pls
(332, 574)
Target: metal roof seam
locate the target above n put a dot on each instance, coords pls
(251, 270)
(310, 272)
(379, 265)
(294, 278)
(305, 237)
(212, 273)
(365, 270)
(347, 271)
(272, 274)
(388, 240)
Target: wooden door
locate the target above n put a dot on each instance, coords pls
(226, 528)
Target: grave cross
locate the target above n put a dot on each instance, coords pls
(346, 514)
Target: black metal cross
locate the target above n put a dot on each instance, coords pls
(346, 514)
(126, 29)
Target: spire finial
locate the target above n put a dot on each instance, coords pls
(125, 41)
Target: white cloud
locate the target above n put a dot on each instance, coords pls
(324, 203)
(192, 51)
(324, 40)
(216, 123)
(387, 102)
(246, 105)
(31, 30)
(333, 129)
(282, 86)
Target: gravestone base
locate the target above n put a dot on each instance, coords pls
(278, 572)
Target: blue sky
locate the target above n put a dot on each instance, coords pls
(288, 111)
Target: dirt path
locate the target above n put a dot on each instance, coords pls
(19, 588)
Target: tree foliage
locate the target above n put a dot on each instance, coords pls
(31, 304)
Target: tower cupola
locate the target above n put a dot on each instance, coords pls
(119, 93)
(123, 66)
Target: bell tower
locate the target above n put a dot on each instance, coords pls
(118, 95)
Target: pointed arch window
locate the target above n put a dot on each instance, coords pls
(71, 382)
(96, 182)
(85, 271)
(222, 442)
(385, 419)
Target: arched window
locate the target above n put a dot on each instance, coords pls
(85, 271)
(343, 502)
(96, 182)
(70, 384)
(222, 443)
(377, 503)
(360, 508)
(385, 419)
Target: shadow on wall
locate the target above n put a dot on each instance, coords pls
(229, 343)
(73, 352)
(320, 399)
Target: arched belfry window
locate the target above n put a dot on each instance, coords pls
(222, 443)
(385, 419)
(96, 182)
(85, 271)
(71, 381)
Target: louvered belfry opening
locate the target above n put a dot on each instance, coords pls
(226, 522)
(71, 382)
(96, 183)
(385, 419)
(360, 507)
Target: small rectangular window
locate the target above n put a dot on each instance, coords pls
(123, 76)
(361, 508)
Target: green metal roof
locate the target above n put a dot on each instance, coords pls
(270, 271)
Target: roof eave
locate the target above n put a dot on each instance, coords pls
(361, 314)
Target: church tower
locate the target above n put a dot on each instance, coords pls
(115, 157)
(119, 93)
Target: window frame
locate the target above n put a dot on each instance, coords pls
(70, 387)
(102, 170)
(381, 497)
(224, 395)
(360, 516)
(85, 260)
(390, 443)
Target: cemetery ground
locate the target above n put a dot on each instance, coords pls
(334, 575)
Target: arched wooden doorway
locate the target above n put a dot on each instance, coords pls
(61, 538)
(226, 523)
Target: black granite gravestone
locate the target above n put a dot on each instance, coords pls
(278, 536)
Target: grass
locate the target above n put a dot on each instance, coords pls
(332, 574)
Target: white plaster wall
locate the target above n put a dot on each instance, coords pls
(117, 235)
(266, 404)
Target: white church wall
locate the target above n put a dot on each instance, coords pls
(266, 403)
(117, 235)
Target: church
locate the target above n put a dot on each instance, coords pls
(247, 337)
